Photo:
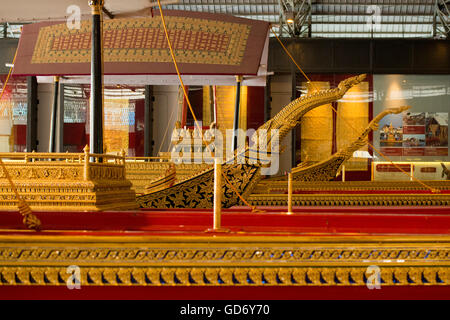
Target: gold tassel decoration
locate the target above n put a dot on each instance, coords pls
(29, 219)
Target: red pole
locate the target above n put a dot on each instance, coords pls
(184, 111)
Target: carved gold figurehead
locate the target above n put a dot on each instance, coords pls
(242, 173)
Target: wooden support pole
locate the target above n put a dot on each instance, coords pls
(290, 194)
(86, 173)
(217, 219)
(215, 105)
(217, 194)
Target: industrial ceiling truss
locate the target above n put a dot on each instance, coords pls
(289, 18)
(441, 19)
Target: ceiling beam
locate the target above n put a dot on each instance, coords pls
(107, 12)
(374, 32)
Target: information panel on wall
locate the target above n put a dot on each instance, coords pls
(421, 132)
(414, 134)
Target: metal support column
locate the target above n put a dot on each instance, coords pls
(267, 99)
(148, 122)
(60, 147)
(294, 130)
(52, 142)
(96, 105)
(234, 144)
(212, 109)
(32, 103)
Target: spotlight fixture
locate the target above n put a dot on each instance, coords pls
(290, 17)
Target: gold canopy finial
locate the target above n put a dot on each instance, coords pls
(96, 6)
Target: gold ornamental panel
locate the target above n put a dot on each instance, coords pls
(66, 182)
(280, 186)
(225, 261)
(363, 199)
(142, 40)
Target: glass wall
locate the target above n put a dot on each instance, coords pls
(420, 133)
(333, 127)
(13, 115)
(416, 140)
(123, 118)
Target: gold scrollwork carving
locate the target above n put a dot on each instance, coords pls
(225, 276)
(242, 261)
(317, 199)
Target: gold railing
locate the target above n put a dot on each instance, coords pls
(67, 161)
(141, 171)
(67, 157)
(148, 159)
(67, 181)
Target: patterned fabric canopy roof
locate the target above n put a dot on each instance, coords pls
(203, 43)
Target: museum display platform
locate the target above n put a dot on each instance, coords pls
(314, 253)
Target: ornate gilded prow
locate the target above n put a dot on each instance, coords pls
(445, 171)
(197, 192)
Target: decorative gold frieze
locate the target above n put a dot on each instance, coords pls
(225, 261)
(217, 276)
(371, 193)
(363, 199)
(280, 185)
